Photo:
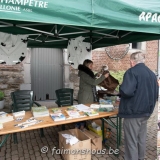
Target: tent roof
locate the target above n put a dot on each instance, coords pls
(51, 23)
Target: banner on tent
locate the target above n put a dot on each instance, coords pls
(149, 17)
(21, 5)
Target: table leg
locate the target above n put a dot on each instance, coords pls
(4, 140)
(120, 130)
(42, 132)
(117, 128)
(15, 138)
(63, 127)
(103, 138)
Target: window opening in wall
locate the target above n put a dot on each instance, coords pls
(44, 67)
(47, 96)
(136, 45)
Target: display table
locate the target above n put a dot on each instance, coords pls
(9, 128)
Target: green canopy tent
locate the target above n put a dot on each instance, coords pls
(51, 23)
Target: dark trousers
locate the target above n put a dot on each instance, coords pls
(135, 132)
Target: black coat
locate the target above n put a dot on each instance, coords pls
(139, 92)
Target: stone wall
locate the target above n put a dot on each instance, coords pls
(10, 80)
(74, 79)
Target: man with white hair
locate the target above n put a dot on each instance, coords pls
(139, 92)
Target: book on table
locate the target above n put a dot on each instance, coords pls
(58, 116)
(6, 119)
(91, 112)
(71, 108)
(3, 114)
(73, 113)
(19, 114)
(102, 107)
(56, 110)
(41, 111)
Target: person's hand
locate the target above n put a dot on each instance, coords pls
(98, 74)
(106, 75)
(158, 82)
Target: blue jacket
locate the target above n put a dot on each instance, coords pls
(139, 92)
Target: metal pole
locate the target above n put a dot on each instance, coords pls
(158, 75)
(158, 65)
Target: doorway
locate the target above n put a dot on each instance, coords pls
(46, 72)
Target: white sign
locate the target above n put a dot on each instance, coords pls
(17, 6)
(153, 17)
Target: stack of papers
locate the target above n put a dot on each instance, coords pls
(106, 105)
(1, 125)
(81, 107)
(3, 114)
(40, 111)
(58, 117)
(70, 139)
(94, 106)
(102, 107)
(6, 119)
(103, 101)
(19, 114)
(106, 108)
(30, 122)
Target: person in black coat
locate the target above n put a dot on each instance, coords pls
(138, 97)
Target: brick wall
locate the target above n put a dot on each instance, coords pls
(101, 58)
(152, 54)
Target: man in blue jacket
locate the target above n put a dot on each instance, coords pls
(139, 92)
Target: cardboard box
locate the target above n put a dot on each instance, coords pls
(83, 144)
(96, 140)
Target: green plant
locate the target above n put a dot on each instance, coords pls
(1, 95)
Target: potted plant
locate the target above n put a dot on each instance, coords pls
(1, 99)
